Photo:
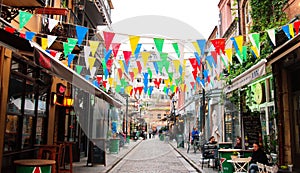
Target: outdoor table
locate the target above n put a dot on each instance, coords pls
(240, 164)
(32, 165)
(224, 156)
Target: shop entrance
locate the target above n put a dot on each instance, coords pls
(296, 130)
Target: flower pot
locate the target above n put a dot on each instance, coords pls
(233, 157)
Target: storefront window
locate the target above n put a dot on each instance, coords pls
(11, 133)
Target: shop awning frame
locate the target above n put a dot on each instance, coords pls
(247, 76)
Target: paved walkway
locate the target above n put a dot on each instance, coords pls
(193, 157)
(153, 156)
(111, 159)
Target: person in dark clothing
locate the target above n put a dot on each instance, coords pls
(259, 156)
(238, 144)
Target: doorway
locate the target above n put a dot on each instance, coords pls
(295, 129)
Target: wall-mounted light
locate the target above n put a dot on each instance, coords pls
(68, 102)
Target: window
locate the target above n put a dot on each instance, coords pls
(158, 116)
(247, 17)
(26, 107)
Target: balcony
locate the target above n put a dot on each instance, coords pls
(97, 12)
(24, 3)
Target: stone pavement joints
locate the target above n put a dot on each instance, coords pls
(153, 156)
(111, 159)
(193, 157)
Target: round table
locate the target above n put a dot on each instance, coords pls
(32, 165)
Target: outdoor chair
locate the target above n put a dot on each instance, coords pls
(261, 167)
(269, 169)
(209, 151)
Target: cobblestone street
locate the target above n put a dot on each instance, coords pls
(153, 156)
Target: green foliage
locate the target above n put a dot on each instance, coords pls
(265, 14)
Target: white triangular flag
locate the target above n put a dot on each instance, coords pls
(58, 54)
(87, 51)
(52, 23)
(93, 71)
(51, 39)
(271, 33)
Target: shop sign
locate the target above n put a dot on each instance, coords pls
(258, 93)
(247, 77)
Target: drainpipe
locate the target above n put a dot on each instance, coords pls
(239, 19)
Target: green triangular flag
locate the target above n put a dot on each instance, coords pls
(164, 56)
(177, 81)
(245, 53)
(172, 88)
(24, 18)
(175, 46)
(171, 76)
(150, 73)
(165, 90)
(123, 83)
(72, 43)
(104, 64)
(159, 43)
(118, 88)
(167, 65)
(78, 69)
(256, 38)
(160, 65)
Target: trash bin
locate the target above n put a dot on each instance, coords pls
(225, 155)
(114, 145)
(180, 141)
(161, 137)
(128, 139)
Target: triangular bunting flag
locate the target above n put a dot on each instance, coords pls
(120, 72)
(93, 46)
(291, 28)
(44, 43)
(145, 56)
(78, 69)
(228, 53)
(107, 54)
(176, 65)
(197, 48)
(134, 40)
(139, 65)
(29, 35)
(271, 33)
(81, 32)
(155, 66)
(150, 73)
(255, 41)
(238, 42)
(108, 37)
(109, 63)
(201, 44)
(93, 71)
(286, 30)
(126, 66)
(122, 65)
(297, 26)
(219, 45)
(51, 39)
(131, 75)
(70, 59)
(87, 51)
(150, 90)
(198, 59)
(127, 55)
(115, 47)
(175, 46)
(91, 62)
(52, 23)
(137, 51)
(159, 43)
(24, 18)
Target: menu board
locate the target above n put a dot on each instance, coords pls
(252, 128)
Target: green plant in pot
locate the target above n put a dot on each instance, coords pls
(234, 155)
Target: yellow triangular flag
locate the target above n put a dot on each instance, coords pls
(182, 87)
(176, 64)
(91, 62)
(135, 71)
(291, 28)
(145, 57)
(110, 81)
(196, 46)
(184, 65)
(228, 53)
(94, 45)
(44, 43)
(183, 75)
(254, 49)
(239, 41)
(134, 40)
(122, 65)
(128, 89)
(115, 84)
(167, 82)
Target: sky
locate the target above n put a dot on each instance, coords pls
(202, 15)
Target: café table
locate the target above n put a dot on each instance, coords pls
(33, 165)
(240, 164)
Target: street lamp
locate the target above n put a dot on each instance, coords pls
(174, 109)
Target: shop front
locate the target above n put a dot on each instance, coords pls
(285, 62)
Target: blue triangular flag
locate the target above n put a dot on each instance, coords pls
(137, 50)
(29, 35)
(205, 73)
(203, 83)
(95, 82)
(168, 89)
(70, 59)
(87, 77)
(145, 89)
(150, 90)
(48, 51)
(198, 80)
(145, 78)
(126, 66)
(107, 54)
(155, 66)
(198, 58)
(106, 73)
(201, 44)
(286, 30)
(236, 47)
(81, 32)
(122, 91)
(180, 70)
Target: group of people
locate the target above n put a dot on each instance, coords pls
(258, 154)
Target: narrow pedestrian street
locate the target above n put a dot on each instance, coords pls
(153, 156)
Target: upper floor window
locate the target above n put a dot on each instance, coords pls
(247, 17)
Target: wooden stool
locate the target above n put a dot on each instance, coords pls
(48, 152)
(61, 157)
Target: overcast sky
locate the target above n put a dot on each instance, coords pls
(200, 14)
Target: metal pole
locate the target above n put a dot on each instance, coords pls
(126, 127)
(203, 103)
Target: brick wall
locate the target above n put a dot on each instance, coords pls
(292, 9)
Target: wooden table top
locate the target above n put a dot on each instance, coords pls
(34, 162)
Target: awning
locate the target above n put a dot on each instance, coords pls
(22, 46)
(24, 3)
(196, 98)
(64, 72)
(248, 76)
(284, 50)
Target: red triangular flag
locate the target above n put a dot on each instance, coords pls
(193, 84)
(120, 72)
(131, 75)
(9, 29)
(219, 45)
(127, 55)
(138, 63)
(176, 90)
(131, 92)
(195, 73)
(109, 63)
(104, 84)
(99, 79)
(296, 26)
(108, 37)
(115, 48)
(157, 83)
(140, 89)
(208, 79)
(215, 56)
(22, 35)
(194, 63)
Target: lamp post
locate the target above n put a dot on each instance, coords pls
(174, 109)
(202, 107)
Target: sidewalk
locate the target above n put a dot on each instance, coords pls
(111, 159)
(193, 157)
